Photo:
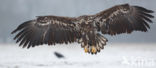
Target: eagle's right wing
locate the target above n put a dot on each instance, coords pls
(47, 30)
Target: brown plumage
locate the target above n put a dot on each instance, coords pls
(86, 29)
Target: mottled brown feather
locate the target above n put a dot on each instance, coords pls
(131, 18)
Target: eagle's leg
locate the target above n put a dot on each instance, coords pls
(93, 43)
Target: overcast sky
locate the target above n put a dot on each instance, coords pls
(15, 12)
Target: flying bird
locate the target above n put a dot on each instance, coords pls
(88, 30)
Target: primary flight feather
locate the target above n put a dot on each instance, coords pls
(88, 30)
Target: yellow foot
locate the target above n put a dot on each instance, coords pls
(93, 49)
(86, 49)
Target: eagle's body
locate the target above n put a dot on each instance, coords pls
(87, 29)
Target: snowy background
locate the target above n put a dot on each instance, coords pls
(113, 56)
(137, 50)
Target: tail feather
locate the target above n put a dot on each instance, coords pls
(95, 45)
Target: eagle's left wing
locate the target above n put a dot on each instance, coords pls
(123, 19)
(47, 30)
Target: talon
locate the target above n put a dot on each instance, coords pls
(86, 49)
(93, 50)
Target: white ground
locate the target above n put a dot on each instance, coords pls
(113, 56)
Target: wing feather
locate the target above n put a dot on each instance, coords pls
(46, 30)
(124, 19)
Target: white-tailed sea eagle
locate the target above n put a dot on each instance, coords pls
(88, 30)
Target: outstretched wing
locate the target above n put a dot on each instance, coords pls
(123, 19)
(47, 30)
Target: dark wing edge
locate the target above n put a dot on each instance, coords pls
(124, 19)
(32, 33)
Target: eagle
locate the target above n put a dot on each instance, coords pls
(87, 30)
